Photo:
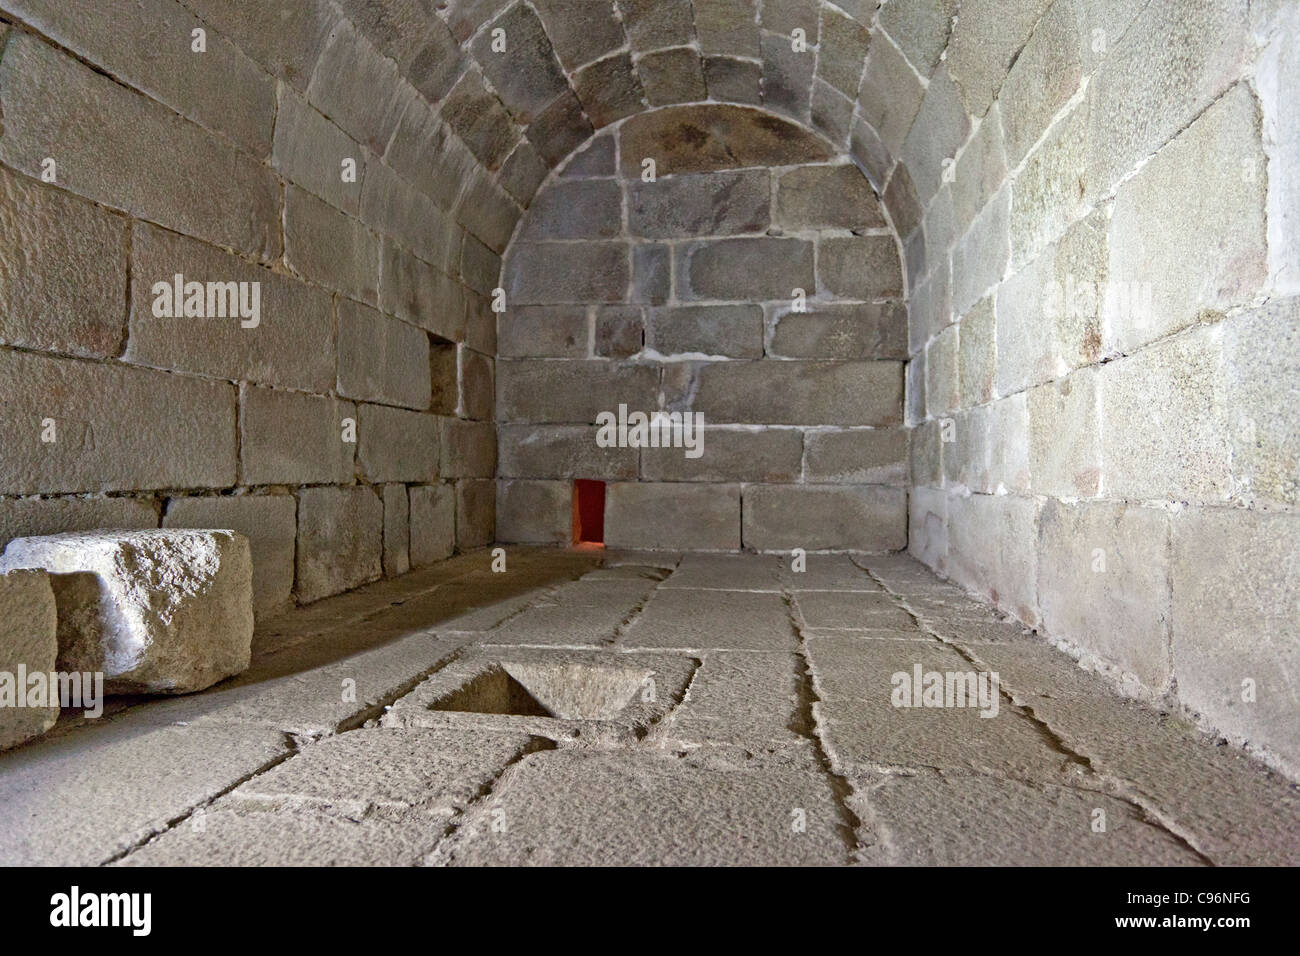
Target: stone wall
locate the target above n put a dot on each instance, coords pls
(749, 275)
(134, 149)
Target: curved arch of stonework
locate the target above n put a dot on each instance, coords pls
(713, 260)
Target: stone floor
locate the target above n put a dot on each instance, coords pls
(618, 708)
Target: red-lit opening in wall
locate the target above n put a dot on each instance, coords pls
(588, 513)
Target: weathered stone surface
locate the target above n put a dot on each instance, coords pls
(1103, 584)
(269, 524)
(381, 359)
(545, 797)
(27, 517)
(286, 40)
(154, 611)
(581, 31)
(842, 48)
(840, 197)
(535, 512)
(703, 516)
(735, 331)
(742, 454)
(467, 449)
(979, 260)
(609, 89)
(942, 373)
(358, 87)
(820, 517)
(1065, 436)
(709, 137)
(595, 159)
(575, 209)
(340, 540)
(114, 428)
(526, 74)
(28, 640)
(711, 204)
(985, 41)
(476, 508)
(433, 524)
(890, 95)
(618, 331)
(801, 393)
(325, 246)
(671, 76)
(863, 456)
(1197, 195)
(397, 530)
(420, 293)
(291, 344)
(831, 113)
(1007, 573)
(728, 620)
(1234, 576)
(739, 697)
(291, 438)
(480, 120)
(941, 127)
(745, 269)
(733, 81)
(727, 26)
(977, 360)
(394, 444)
(651, 273)
(127, 152)
(652, 24)
(523, 171)
(920, 28)
(852, 611)
(62, 271)
(554, 273)
(310, 151)
(561, 128)
(860, 267)
(571, 392)
(543, 332)
(561, 451)
(842, 331)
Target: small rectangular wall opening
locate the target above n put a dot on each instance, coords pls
(588, 513)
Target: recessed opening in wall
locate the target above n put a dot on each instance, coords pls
(588, 513)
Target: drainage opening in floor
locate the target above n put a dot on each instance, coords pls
(568, 691)
(588, 513)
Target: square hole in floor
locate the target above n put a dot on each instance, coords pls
(568, 691)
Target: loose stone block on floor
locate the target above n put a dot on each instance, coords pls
(166, 611)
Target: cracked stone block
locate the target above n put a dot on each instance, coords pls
(437, 772)
(28, 629)
(52, 818)
(986, 39)
(557, 812)
(920, 28)
(165, 611)
(964, 820)
(706, 516)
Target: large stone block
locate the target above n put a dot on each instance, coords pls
(381, 359)
(285, 39)
(310, 151)
(575, 209)
(535, 512)
(672, 517)
(292, 344)
(394, 444)
(572, 392)
(393, 207)
(787, 77)
(980, 259)
(801, 393)
(825, 517)
(927, 526)
(475, 513)
(561, 451)
(730, 454)
(1235, 577)
(1050, 188)
(1103, 584)
(155, 611)
(28, 626)
(860, 456)
(358, 87)
(131, 153)
(327, 247)
(942, 373)
(1045, 75)
(293, 439)
(609, 89)
(72, 426)
(706, 204)
(543, 332)
(652, 24)
(477, 388)
(62, 271)
(561, 128)
(433, 524)
(672, 76)
(340, 540)
(735, 331)
(422, 294)
(841, 50)
(712, 136)
(526, 74)
(581, 31)
(820, 197)
(555, 273)
(268, 522)
(920, 28)
(890, 95)
(986, 39)
(977, 359)
(467, 449)
(1065, 436)
(1164, 215)
(864, 330)
(727, 26)
(397, 530)
(993, 550)
(26, 517)
(733, 81)
(941, 127)
(746, 270)
(860, 267)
